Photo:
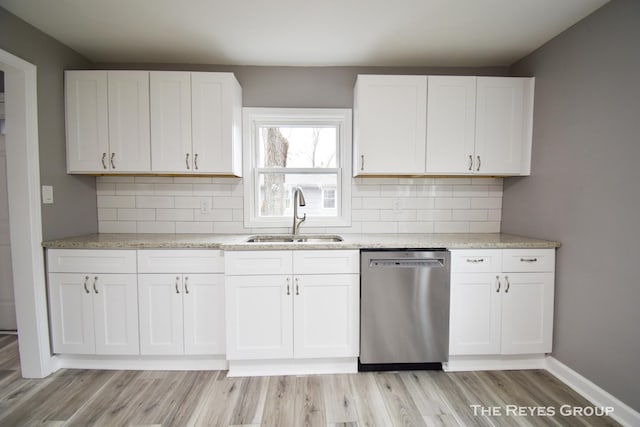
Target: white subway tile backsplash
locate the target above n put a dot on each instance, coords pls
(379, 205)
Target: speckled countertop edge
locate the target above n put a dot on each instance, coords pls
(237, 242)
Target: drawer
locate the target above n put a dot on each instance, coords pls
(180, 261)
(91, 261)
(326, 262)
(476, 261)
(528, 260)
(258, 262)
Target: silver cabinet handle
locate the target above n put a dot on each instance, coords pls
(506, 279)
(479, 163)
(177, 283)
(86, 279)
(186, 284)
(288, 289)
(104, 158)
(362, 162)
(497, 283)
(186, 159)
(95, 281)
(297, 287)
(470, 162)
(195, 161)
(475, 260)
(528, 259)
(113, 165)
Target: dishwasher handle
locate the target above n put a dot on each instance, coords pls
(407, 263)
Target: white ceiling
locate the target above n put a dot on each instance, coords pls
(304, 32)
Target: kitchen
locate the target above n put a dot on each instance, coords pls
(560, 181)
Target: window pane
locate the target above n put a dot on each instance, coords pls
(297, 147)
(276, 193)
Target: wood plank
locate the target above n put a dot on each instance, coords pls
(250, 405)
(339, 399)
(401, 408)
(219, 402)
(369, 402)
(279, 408)
(441, 420)
(309, 407)
(425, 394)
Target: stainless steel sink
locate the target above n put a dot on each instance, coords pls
(294, 239)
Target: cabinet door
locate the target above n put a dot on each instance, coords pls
(170, 121)
(326, 315)
(204, 314)
(213, 99)
(160, 306)
(129, 132)
(390, 116)
(71, 310)
(86, 121)
(499, 125)
(527, 313)
(259, 317)
(115, 309)
(474, 326)
(451, 124)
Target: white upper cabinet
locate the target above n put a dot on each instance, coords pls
(171, 121)
(451, 124)
(129, 139)
(504, 108)
(158, 122)
(442, 125)
(87, 121)
(390, 116)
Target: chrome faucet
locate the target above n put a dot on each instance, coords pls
(298, 199)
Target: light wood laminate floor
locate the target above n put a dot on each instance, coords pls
(72, 397)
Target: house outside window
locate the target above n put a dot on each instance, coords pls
(289, 148)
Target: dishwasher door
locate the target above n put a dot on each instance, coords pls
(404, 308)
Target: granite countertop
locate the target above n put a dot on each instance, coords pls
(237, 242)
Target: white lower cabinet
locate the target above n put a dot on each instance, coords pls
(181, 313)
(292, 314)
(507, 311)
(93, 313)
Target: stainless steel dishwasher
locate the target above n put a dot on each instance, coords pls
(404, 309)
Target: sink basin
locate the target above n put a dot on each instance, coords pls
(294, 239)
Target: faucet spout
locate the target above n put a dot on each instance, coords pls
(298, 200)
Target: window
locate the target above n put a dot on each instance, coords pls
(289, 148)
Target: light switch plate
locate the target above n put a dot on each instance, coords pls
(47, 194)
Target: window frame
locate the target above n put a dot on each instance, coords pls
(253, 118)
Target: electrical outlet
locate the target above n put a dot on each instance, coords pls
(47, 194)
(205, 206)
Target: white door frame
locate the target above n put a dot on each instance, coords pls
(23, 182)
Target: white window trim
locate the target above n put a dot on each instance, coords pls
(252, 118)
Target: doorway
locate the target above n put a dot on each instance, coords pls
(23, 190)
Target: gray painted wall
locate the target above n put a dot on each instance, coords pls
(303, 87)
(585, 191)
(74, 211)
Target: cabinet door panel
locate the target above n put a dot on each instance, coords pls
(258, 262)
(475, 314)
(259, 317)
(129, 132)
(451, 124)
(170, 100)
(499, 124)
(71, 314)
(390, 114)
(161, 325)
(326, 316)
(323, 261)
(527, 313)
(86, 121)
(115, 308)
(204, 314)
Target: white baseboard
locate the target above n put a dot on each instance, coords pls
(494, 363)
(142, 363)
(266, 368)
(622, 412)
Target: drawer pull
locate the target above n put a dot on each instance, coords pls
(288, 289)
(186, 285)
(297, 287)
(497, 283)
(475, 260)
(86, 279)
(177, 282)
(506, 279)
(95, 281)
(528, 259)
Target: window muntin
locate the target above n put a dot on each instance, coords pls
(287, 148)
